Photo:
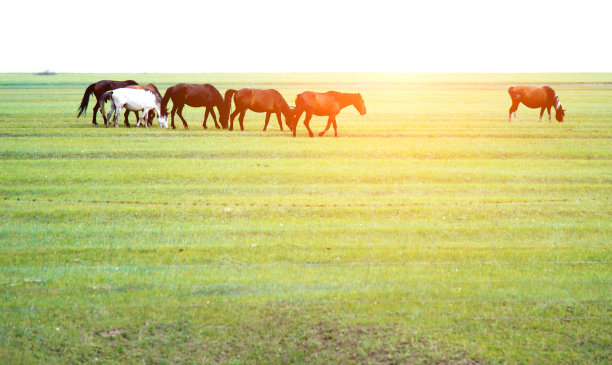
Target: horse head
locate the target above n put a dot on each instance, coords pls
(290, 118)
(162, 117)
(560, 113)
(360, 105)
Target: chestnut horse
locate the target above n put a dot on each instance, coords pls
(325, 104)
(153, 89)
(194, 95)
(260, 101)
(535, 97)
(99, 88)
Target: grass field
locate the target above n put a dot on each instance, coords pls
(431, 231)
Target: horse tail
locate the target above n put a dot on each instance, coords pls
(226, 108)
(102, 101)
(83, 107)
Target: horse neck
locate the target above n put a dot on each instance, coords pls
(557, 103)
(285, 109)
(346, 99)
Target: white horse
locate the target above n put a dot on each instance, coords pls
(134, 100)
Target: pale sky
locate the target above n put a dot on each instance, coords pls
(306, 36)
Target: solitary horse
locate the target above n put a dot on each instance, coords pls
(196, 96)
(325, 104)
(134, 100)
(260, 101)
(99, 88)
(535, 97)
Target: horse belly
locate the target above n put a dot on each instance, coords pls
(532, 103)
(135, 107)
(534, 99)
(260, 109)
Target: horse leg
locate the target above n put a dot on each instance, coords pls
(172, 115)
(513, 109)
(331, 120)
(267, 120)
(205, 117)
(280, 121)
(179, 111)
(214, 116)
(541, 113)
(127, 112)
(307, 124)
(111, 112)
(298, 115)
(241, 120)
(116, 118)
(143, 117)
(232, 117)
(549, 118)
(95, 111)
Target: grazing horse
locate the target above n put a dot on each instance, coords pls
(135, 100)
(260, 101)
(99, 88)
(322, 104)
(535, 97)
(151, 114)
(196, 96)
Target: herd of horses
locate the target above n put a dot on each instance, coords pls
(148, 100)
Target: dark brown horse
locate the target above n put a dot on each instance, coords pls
(194, 95)
(260, 101)
(325, 104)
(99, 88)
(535, 97)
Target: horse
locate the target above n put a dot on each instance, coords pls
(325, 104)
(99, 88)
(151, 114)
(194, 95)
(535, 97)
(260, 101)
(135, 100)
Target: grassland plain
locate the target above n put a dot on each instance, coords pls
(431, 231)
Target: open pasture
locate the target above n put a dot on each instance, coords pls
(432, 230)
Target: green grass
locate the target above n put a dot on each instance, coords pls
(431, 231)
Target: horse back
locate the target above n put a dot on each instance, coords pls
(531, 96)
(103, 86)
(320, 104)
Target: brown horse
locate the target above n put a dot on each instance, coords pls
(535, 97)
(260, 101)
(152, 88)
(325, 104)
(194, 95)
(99, 88)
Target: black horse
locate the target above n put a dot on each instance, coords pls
(194, 95)
(99, 88)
